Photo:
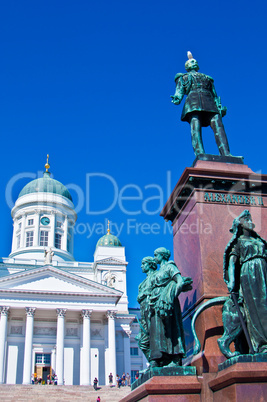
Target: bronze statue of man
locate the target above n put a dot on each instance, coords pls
(202, 107)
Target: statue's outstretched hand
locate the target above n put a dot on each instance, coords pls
(187, 284)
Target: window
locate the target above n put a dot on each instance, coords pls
(30, 222)
(29, 239)
(43, 238)
(42, 358)
(19, 226)
(18, 241)
(59, 224)
(38, 358)
(47, 358)
(58, 240)
(134, 351)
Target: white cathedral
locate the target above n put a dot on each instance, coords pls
(59, 315)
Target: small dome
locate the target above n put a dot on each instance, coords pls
(109, 240)
(45, 185)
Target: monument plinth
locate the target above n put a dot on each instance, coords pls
(244, 382)
(166, 383)
(202, 207)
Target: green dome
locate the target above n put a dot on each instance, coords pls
(46, 185)
(109, 241)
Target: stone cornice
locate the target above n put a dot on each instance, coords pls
(45, 292)
(110, 261)
(128, 317)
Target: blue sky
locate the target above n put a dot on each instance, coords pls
(90, 84)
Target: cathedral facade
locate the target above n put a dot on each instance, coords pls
(61, 316)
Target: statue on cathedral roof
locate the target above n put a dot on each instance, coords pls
(48, 255)
(110, 279)
(202, 106)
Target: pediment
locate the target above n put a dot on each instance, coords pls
(111, 261)
(50, 279)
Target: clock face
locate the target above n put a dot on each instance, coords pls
(45, 220)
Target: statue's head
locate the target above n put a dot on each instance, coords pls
(160, 254)
(243, 220)
(191, 64)
(148, 264)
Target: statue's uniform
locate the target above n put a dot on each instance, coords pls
(200, 93)
(202, 108)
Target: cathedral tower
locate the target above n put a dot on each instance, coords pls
(44, 218)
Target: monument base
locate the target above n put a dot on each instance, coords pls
(219, 158)
(244, 382)
(163, 371)
(256, 358)
(166, 383)
(241, 378)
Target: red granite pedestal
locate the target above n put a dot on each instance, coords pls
(202, 207)
(244, 382)
(165, 388)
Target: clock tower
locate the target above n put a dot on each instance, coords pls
(44, 217)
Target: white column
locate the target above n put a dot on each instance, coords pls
(14, 237)
(27, 366)
(60, 345)
(36, 228)
(51, 236)
(126, 354)
(112, 344)
(86, 360)
(81, 351)
(53, 360)
(65, 234)
(3, 336)
(23, 224)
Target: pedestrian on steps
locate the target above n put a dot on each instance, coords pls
(95, 383)
(110, 379)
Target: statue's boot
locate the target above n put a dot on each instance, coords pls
(177, 360)
(196, 136)
(220, 135)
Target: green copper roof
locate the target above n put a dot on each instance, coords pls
(109, 241)
(46, 185)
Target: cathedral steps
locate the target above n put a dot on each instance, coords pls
(43, 393)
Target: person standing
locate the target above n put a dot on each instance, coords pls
(110, 379)
(95, 383)
(128, 378)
